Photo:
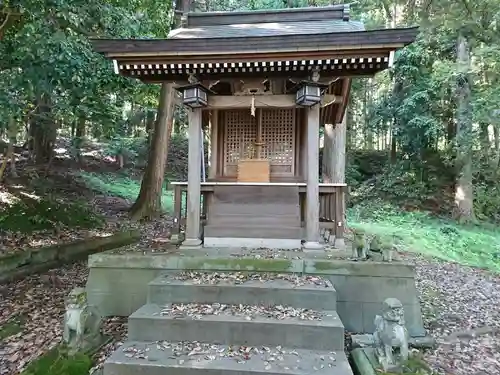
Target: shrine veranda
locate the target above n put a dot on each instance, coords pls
(261, 83)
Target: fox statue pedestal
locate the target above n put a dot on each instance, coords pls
(388, 347)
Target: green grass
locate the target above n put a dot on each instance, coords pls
(58, 362)
(477, 245)
(25, 213)
(120, 185)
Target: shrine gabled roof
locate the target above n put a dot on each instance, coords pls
(284, 42)
(282, 30)
(279, 22)
(263, 29)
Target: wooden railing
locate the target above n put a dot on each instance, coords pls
(331, 204)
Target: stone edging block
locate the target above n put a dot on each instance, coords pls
(28, 261)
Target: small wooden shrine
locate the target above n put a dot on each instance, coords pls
(262, 83)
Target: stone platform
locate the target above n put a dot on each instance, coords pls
(119, 282)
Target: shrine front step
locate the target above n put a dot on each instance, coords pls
(148, 358)
(168, 289)
(255, 201)
(255, 209)
(149, 324)
(242, 219)
(254, 231)
(256, 194)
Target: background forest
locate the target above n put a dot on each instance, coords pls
(422, 137)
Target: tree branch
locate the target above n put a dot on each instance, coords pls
(4, 23)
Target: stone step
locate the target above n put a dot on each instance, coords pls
(310, 292)
(160, 358)
(152, 322)
(246, 231)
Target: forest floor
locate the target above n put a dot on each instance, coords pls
(71, 201)
(457, 266)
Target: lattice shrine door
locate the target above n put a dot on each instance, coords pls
(274, 128)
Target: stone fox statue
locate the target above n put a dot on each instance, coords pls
(82, 323)
(359, 245)
(391, 336)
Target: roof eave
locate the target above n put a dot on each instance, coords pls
(391, 38)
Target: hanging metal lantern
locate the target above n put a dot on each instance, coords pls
(309, 93)
(194, 95)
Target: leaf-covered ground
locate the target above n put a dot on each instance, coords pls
(459, 302)
(460, 306)
(461, 310)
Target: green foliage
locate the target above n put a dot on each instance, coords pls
(420, 232)
(487, 201)
(121, 186)
(27, 214)
(177, 161)
(58, 362)
(47, 57)
(129, 147)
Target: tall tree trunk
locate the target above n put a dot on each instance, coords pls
(451, 131)
(150, 123)
(496, 135)
(349, 129)
(368, 142)
(485, 142)
(339, 152)
(464, 195)
(397, 89)
(9, 153)
(42, 132)
(327, 157)
(148, 203)
(334, 152)
(79, 137)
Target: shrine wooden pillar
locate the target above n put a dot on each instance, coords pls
(214, 144)
(192, 239)
(312, 180)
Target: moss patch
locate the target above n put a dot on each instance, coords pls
(365, 363)
(26, 214)
(9, 261)
(12, 327)
(325, 266)
(58, 362)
